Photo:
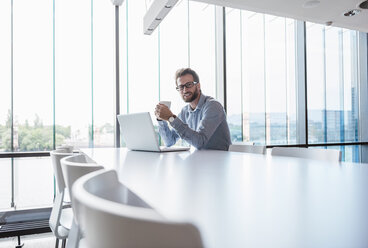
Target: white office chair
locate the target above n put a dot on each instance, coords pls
(309, 153)
(112, 216)
(74, 167)
(247, 148)
(61, 219)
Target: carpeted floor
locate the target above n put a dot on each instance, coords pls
(32, 241)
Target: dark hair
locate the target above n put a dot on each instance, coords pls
(185, 71)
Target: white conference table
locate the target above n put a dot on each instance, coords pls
(250, 200)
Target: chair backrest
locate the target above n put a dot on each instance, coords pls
(240, 147)
(56, 156)
(76, 166)
(310, 153)
(66, 148)
(112, 218)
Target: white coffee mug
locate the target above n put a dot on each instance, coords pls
(167, 103)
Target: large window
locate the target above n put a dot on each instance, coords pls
(261, 81)
(332, 84)
(333, 97)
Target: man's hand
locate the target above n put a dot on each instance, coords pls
(162, 112)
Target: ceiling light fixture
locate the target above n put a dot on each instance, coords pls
(352, 12)
(329, 23)
(156, 13)
(117, 2)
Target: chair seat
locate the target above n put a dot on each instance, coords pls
(66, 218)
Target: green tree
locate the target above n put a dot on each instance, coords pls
(6, 140)
(8, 122)
(32, 138)
(37, 122)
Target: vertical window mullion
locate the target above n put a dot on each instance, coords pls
(117, 77)
(324, 86)
(12, 204)
(341, 87)
(241, 78)
(287, 86)
(91, 138)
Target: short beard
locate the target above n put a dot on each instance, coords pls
(194, 96)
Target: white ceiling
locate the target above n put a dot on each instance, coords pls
(325, 11)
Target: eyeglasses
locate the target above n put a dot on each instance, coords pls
(186, 85)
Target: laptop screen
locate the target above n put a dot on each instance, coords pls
(138, 132)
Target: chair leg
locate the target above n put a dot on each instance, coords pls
(73, 237)
(63, 243)
(57, 243)
(19, 244)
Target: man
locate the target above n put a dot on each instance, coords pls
(202, 123)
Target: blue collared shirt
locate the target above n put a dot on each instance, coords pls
(205, 127)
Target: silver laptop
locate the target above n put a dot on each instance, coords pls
(139, 134)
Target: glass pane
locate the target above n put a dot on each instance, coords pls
(261, 79)
(351, 153)
(5, 75)
(253, 54)
(280, 80)
(123, 18)
(202, 45)
(103, 73)
(73, 72)
(316, 78)
(5, 183)
(34, 182)
(333, 89)
(234, 76)
(332, 74)
(350, 86)
(348, 153)
(142, 52)
(33, 76)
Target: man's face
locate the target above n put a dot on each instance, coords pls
(188, 94)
